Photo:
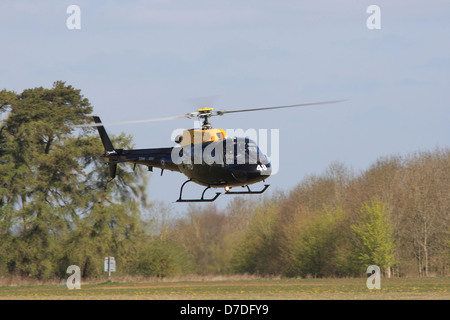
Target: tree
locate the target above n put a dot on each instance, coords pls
(426, 179)
(316, 249)
(255, 250)
(39, 171)
(160, 258)
(373, 232)
(201, 234)
(52, 183)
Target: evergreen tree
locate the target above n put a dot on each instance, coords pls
(55, 206)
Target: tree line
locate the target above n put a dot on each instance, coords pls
(55, 210)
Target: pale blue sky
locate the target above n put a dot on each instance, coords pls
(142, 59)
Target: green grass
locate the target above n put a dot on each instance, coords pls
(253, 289)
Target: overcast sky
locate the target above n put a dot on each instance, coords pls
(142, 59)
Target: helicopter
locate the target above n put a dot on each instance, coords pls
(206, 155)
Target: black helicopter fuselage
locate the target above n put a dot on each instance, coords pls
(227, 163)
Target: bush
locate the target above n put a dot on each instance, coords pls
(316, 251)
(161, 259)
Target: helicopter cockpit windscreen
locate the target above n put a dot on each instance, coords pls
(243, 151)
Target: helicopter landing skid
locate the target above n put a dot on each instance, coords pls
(202, 199)
(248, 190)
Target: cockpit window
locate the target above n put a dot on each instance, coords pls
(243, 151)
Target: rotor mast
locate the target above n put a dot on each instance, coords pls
(205, 114)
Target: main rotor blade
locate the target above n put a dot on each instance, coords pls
(196, 114)
(132, 121)
(221, 112)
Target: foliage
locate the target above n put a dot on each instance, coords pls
(373, 232)
(315, 252)
(55, 210)
(159, 258)
(334, 224)
(254, 251)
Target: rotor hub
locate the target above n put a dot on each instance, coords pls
(205, 114)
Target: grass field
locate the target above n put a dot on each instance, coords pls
(242, 289)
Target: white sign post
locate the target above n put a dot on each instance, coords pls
(110, 266)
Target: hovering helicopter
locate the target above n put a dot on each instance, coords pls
(206, 156)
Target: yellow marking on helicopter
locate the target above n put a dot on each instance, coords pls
(195, 136)
(198, 136)
(204, 109)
